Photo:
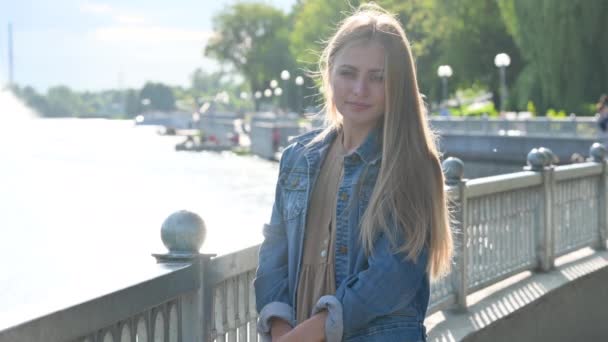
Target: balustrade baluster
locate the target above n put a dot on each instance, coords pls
(220, 312)
(251, 312)
(242, 306)
(231, 309)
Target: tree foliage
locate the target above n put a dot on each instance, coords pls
(558, 50)
(462, 33)
(160, 96)
(471, 38)
(565, 50)
(62, 101)
(252, 38)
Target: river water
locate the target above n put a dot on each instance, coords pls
(101, 186)
(82, 202)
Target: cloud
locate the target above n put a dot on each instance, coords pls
(149, 34)
(129, 19)
(116, 15)
(90, 7)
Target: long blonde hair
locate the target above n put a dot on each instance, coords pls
(409, 190)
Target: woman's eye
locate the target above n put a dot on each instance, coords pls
(347, 73)
(377, 78)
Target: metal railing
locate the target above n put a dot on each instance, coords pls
(568, 127)
(505, 224)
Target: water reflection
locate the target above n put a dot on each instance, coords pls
(83, 200)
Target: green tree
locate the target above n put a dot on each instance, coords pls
(32, 98)
(253, 39)
(565, 50)
(473, 33)
(160, 96)
(205, 83)
(63, 102)
(132, 103)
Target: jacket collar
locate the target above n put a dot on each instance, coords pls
(370, 151)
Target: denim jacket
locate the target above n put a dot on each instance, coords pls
(380, 297)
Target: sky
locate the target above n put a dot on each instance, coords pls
(103, 44)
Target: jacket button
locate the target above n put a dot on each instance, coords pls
(343, 249)
(344, 196)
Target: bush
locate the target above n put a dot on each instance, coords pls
(553, 114)
(476, 109)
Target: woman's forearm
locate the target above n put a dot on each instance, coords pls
(278, 328)
(312, 329)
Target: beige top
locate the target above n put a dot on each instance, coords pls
(317, 274)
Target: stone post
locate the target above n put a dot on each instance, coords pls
(453, 169)
(183, 233)
(597, 154)
(541, 160)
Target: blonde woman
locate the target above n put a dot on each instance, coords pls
(359, 223)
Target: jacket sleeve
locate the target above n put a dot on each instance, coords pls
(388, 284)
(271, 281)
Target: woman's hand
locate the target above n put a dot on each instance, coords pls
(312, 329)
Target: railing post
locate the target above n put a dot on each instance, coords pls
(453, 169)
(183, 233)
(541, 160)
(597, 154)
(485, 125)
(573, 124)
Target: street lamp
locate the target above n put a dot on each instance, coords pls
(285, 75)
(274, 84)
(268, 93)
(299, 82)
(278, 91)
(444, 72)
(258, 94)
(502, 61)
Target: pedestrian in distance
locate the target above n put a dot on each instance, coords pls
(360, 224)
(602, 111)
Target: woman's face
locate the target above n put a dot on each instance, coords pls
(357, 82)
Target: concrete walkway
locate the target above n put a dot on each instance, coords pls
(515, 295)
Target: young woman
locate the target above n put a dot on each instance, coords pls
(359, 223)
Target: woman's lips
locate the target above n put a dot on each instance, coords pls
(358, 106)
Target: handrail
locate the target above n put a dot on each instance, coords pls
(108, 309)
(579, 126)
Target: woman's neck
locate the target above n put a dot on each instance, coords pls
(354, 135)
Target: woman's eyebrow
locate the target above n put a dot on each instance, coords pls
(352, 67)
(348, 66)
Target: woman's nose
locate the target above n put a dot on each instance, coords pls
(360, 87)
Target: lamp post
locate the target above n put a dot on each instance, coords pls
(444, 72)
(145, 104)
(285, 75)
(299, 82)
(502, 61)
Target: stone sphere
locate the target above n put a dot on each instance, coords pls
(597, 152)
(183, 232)
(551, 158)
(537, 159)
(453, 169)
